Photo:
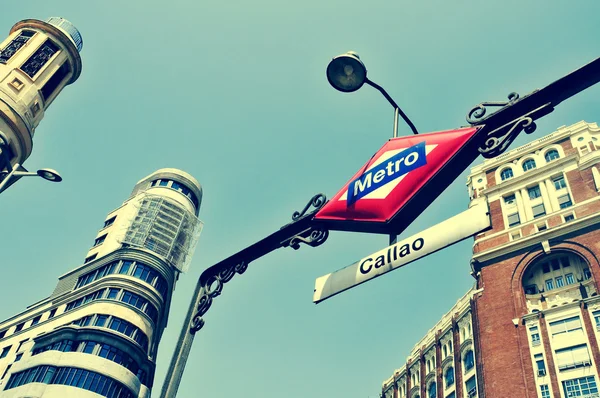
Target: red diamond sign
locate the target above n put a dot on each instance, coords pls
(400, 181)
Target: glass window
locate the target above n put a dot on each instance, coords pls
(112, 293)
(110, 221)
(469, 360)
(569, 217)
(549, 284)
(15, 45)
(163, 183)
(535, 335)
(432, 390)
(568, 325)
(564, 201)
(513, 219)
(569, 278)
(586, 274)
(559, 281)
(510, 200)
(551, 155)
(573, 357)
(471, 387)
(559, 183)
(52, 313)
(5, 351)
(37, 61)
(100, 320)
(538, 210)
(90, 258)
(534, 192)
(581, 387)
(449, 376)
(100, 240)
(529, 164)
(506, 174)
(541, 366)
(36, 320)
(3, 333)
(19, 327)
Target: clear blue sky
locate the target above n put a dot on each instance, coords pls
(234, 92)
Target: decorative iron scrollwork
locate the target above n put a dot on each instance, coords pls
(476, 115)
(498, 140)
(316, 201)
(314, 236)
(211, 290)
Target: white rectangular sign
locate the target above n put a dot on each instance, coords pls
(446, 233)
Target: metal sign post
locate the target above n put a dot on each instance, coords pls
(494, 134)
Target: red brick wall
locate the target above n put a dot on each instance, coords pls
(491, 177)
(504, 347)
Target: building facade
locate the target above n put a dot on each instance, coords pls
(37, 60)
(530, 325)
(97, 334)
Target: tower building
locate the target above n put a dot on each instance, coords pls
(37, 60)
(530, 326)
(97, 334)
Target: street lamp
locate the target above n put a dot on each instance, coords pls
(11, 173)
(347, 73)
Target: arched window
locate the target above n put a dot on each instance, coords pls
(445, 351)
(432, 392)
(529, 164)
(449, 377)
(506, 174)
(450, 346)
(469, 328)
(556, 271)
(469, 360)
(551, 155)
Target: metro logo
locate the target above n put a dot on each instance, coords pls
(396, 166)
(400, 181)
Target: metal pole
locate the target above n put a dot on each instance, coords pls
(8, 177)
(182, 350)
(396, 122)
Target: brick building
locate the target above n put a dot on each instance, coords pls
(530, 325)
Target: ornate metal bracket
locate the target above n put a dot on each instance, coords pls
(476, 115)
(316, 201)
(300, 230)
(499, 139)
(213, 289)
(313, 236)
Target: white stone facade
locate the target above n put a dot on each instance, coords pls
(98, 332)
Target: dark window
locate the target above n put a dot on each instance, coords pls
(432, 390)
(110, 221)
(510, 199)
(538, 210)
(449, 376)
(471, 387)
(469, 360)
(36, 320)
(3, 333)
(15, 45)
(542, 227)
(39, 58)
(541, 366)
(506, 174)
(513, 219)
(6, 371)
(559, 183)
(21, 344)
(569, 217)
(163, 183)
(529, 164)
(5, 351)
(57, 78)
(100, 240)
(52, 313)
(551, 155)
(18, 357)
(90, 258)
(19, 327)
(74, 377)
(534, 192)
(564, 201)
(531, 289)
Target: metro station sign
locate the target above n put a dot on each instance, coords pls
(400, 181)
